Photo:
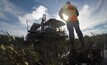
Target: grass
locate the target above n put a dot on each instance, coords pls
(15, 51)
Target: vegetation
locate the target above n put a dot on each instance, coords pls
(16, 51)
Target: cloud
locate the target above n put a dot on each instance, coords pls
(84, 16)
(95, 31)
(36, 14)
(85, 10)
(3, 16)
(7, 9)
(12, 29)
(89, 20)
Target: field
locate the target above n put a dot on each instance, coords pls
(16, 51)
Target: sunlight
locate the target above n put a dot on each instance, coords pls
(65, 16)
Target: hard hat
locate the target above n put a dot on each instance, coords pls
(67, 2)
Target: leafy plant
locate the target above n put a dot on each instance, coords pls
(15, 51)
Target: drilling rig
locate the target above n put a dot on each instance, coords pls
(48, 31)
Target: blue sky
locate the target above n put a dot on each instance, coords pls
(14, 13)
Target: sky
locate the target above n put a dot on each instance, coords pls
(14, 14)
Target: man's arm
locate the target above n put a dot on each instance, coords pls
(77, 11)
(60, 13)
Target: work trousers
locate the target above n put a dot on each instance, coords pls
(71, 26)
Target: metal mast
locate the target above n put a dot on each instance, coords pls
(42, 23)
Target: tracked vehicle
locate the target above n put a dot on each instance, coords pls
(48, 31)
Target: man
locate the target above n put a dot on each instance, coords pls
(69, 14)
